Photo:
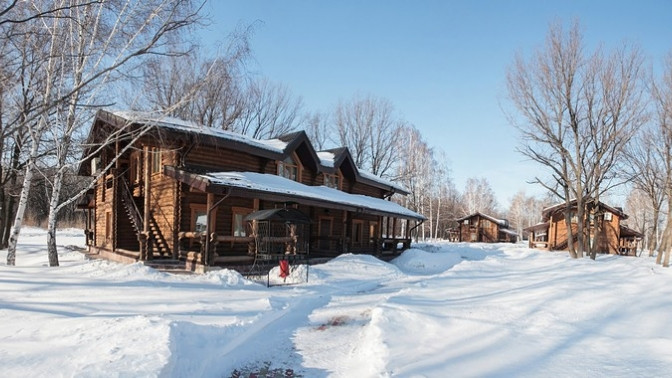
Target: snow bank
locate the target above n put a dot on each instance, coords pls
(416, 261)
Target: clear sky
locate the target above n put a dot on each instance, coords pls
(442, 63)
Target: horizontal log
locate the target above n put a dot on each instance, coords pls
(190, 235)
(231, 259)
(234, 239)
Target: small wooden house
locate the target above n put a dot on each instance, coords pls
(603, 227)
(186, 192)
(483, 228)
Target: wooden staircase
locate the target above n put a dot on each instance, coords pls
(133, 207)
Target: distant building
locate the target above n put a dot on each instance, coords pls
(484, 228)
(604, 228)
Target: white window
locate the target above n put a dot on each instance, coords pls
(607, 216)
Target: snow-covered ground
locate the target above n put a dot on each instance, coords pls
(438, 310)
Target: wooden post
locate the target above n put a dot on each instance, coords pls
(145, 243)
(208, 228)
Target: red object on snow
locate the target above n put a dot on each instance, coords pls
(284, 268)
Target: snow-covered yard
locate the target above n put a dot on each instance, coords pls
(438, 310)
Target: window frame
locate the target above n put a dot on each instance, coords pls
(332, 176)
(155, 160)
(281, 167)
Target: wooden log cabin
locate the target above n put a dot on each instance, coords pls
(603, 227)
(181, 191)
(483, 228)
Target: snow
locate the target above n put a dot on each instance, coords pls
(164, 121)
(326, 158)
(278, 184)
(439, 309)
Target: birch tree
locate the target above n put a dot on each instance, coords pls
(90, 43)
(51, 27)
(478, 196)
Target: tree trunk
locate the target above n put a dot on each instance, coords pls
(653, 241)
(53, 214)
(20, 211)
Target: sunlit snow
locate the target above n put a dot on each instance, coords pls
(438, 310)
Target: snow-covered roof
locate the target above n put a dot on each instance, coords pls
(371, 176)
(326, 158)
(501, 222)
(278, 185)
(163, 121)
(559, 206)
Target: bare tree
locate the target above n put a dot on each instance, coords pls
(662, 134)
(369, 128)
(524, 211)
(218, 84)
(578, 112)
(413, 172)
(317, 128)
(270, 110)
(646, 171)
(478, 196)
(89, 44)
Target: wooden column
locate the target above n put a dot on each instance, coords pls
(145, 242)
(206, 258)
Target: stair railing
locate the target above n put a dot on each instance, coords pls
(134, 212)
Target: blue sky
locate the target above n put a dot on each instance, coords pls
(442, 63)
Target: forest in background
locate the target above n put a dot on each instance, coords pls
(593, 120)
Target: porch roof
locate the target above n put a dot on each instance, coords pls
(279, 189)
(536, 227)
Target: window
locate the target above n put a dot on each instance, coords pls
(357, 229)
(486, 223)
(607, 216)
(332, 181)
(466, 221)
(199, 218)
(200, 221)
(108, 226)
(288, 169)
(238, 226)
(373, 230)
(155, 156)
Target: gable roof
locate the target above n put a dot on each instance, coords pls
(501, 222)
(561, 206)
(276, 149)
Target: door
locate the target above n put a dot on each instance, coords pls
(324, 232)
